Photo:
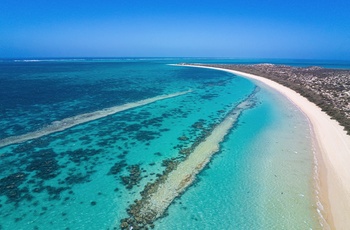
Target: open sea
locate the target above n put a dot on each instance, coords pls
(86, 176)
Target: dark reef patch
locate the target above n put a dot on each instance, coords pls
(77, 179)
(128, 116)
(81, 155)
(117, 168)
(199, 124)
(105, 142)
(10, 187)
(121, 156)
(45, 165)
(183, 138)
(133, 127)
(42, 142)
(156, 121)
(145, 136)
(55, 193)
(164, 130)
(209, 96)
(23, 148)
(85, 138)
(133, 178)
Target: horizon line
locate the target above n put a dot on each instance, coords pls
(164, 57)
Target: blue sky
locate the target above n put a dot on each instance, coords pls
(167, 28)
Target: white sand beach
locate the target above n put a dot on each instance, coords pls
(332, 146)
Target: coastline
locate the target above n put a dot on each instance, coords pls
(332, 153)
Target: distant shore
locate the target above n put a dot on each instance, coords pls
(332, 146)
(329, 89)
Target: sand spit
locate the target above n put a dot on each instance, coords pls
(332, 156)
(158, 196)
(66, 123)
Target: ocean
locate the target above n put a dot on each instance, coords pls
(87, 175)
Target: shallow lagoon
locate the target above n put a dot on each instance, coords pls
(86, 177)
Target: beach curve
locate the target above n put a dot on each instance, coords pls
(332, 153)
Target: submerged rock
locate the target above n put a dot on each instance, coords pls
(10, 187)
(183, 138)
(117, 168)
(133, 178)
(44, 163)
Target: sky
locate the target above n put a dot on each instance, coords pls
(301, 29)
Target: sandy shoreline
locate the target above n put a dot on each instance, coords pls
(332, 154)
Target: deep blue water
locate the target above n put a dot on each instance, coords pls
(79, 178)
(337, 64)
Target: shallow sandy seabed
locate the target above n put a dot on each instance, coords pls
(332, 154)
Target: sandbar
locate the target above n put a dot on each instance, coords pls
(153, 205)
(185, 173)
(332, 154)
(66, 123)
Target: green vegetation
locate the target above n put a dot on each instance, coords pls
(320, 86)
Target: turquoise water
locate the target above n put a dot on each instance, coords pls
(80, 178)
(259, 180)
